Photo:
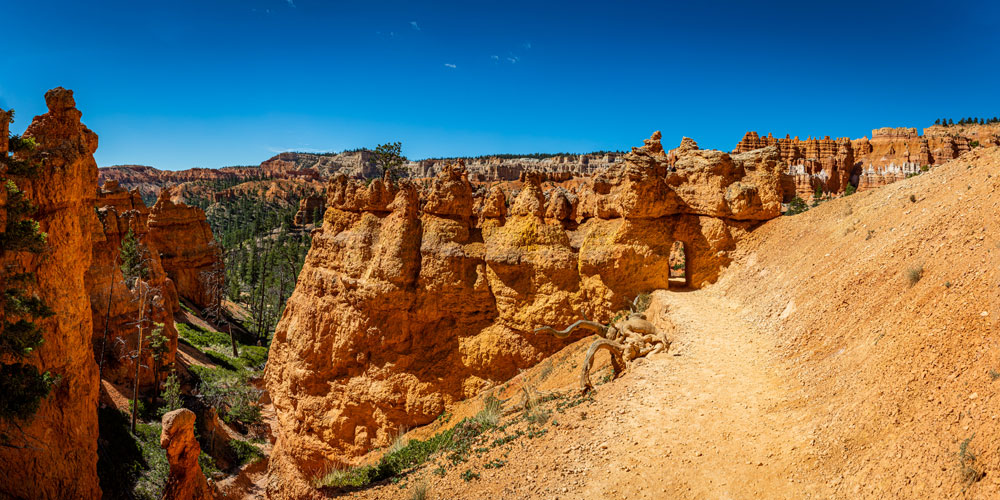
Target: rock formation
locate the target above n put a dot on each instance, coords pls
(186, 481)
(59, 458)
(309, 208)
(412, 299)
(814, 163)
(114, 308)
(497, 168)
(187, 248)
(890, 155)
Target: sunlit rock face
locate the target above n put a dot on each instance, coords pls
(187, 248)
(57, 457)
(412, 298)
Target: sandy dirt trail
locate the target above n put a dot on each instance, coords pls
(716, 417)
(720, 416)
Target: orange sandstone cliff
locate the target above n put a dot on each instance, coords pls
(59, 458)
(115, 309)
(412, 299)
(186, 246)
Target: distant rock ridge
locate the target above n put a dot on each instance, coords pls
(415, 295)
(890, 155)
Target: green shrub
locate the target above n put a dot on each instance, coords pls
(850, 190)
(253, 357)
(457, 441)
(796, 206)
(171, 395)
(245, 452)
(153, 479)
(207, 464)
(231, 393)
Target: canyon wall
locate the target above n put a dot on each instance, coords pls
(59, 457)
(890, 155)
(411, 299)
(187, 248)
(496, 168)
(114, 307)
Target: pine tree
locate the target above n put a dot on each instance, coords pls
(950, 122)
(389, 159)
(22, 385)
(937, 122)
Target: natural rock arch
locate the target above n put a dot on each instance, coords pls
(678, 265)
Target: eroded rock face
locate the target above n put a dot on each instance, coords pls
(890, 155)
(61, 460)
(309, 208)
(186, 480)
(411, 300)
(114, 307)
(187, 249)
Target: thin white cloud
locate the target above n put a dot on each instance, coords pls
(449, 65)
(513, 59)
(526, 45)
(291, 2)
(495, 58)
(412, 23)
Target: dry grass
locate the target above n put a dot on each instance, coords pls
(914, 274)
(419, 491)
(398, 441)
(491, 413)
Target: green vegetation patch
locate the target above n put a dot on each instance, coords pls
(245, 452)
(199, 337)
(457, 442)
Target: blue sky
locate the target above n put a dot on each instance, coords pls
(178, 84)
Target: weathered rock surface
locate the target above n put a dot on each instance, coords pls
(309, 208)
(186, 481)
(187, 248)
(410, 300)
(60, 458)
(115, 309)
(890, 155)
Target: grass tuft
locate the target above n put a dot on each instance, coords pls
(967, 463)
(419, 491)
(914, 274)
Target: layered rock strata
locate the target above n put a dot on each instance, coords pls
(830, 165)
(57, 457)
(187, 248)
(411, 299)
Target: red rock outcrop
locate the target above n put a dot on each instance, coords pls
(186, 481)
(115, 309)
(410, 300)
(187, 248)
(60, 458)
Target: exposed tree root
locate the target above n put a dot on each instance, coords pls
(617, 361)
